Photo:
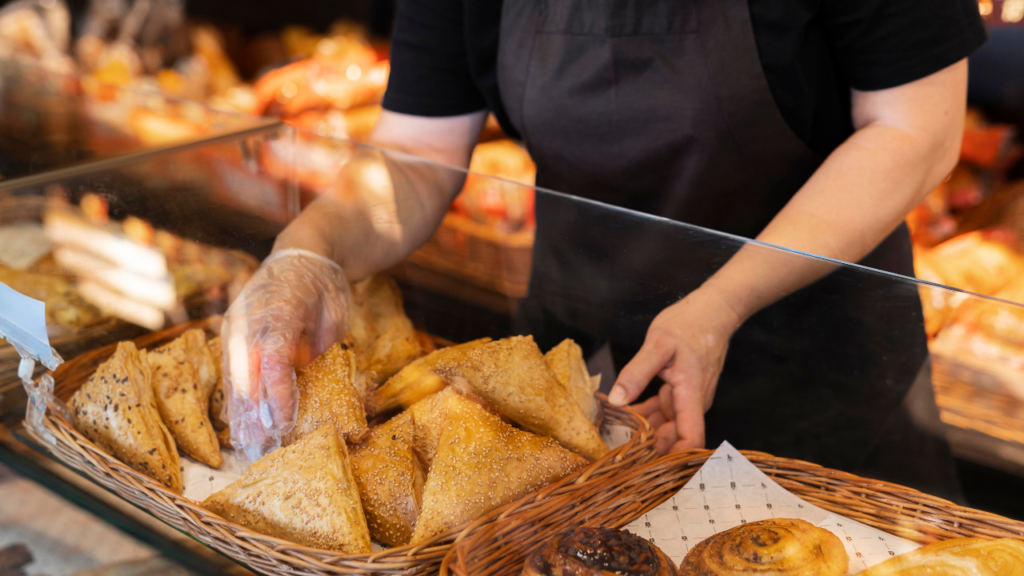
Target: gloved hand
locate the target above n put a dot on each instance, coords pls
(293, 308)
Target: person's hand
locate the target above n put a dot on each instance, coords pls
(685, 345)
(293, 308)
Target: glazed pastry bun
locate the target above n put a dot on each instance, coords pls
(780, 547)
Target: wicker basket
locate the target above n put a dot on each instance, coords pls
(501, 546)
(967, 399)
(274, 556)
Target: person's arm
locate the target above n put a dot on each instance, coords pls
(382, 206)
(907, 141)
(386, 206)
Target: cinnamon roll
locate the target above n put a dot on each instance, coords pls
(770, 547)
(598, 552)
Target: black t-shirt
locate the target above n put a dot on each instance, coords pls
(444, 54)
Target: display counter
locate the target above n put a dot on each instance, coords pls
(836, 372)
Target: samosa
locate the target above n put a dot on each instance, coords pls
(116, 410)
(304, 493)
(567, 363)
(483, 463)
(513, 379)
(390, 480)
(429, 416)
(328, 395)
(383, 336)
(183, 376)
(417, 380)
(217, 408)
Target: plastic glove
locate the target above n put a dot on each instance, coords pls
(293, 308)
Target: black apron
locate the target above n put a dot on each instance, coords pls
(662, 106)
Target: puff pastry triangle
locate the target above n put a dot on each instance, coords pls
(483, 463)
(567, 363)
(328, 395)
(183, 376)
(417, 380)
(390, 480)
(116, 409)
(512, 378)
(384, 337)
(304, 493)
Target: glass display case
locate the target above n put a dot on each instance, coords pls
(834, 370)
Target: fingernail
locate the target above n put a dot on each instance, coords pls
(617, 397)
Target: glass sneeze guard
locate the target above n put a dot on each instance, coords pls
(792, 382)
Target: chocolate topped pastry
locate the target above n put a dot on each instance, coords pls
(598, 552)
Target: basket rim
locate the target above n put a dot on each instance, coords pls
(191, 514)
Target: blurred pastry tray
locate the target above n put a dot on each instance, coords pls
(977, 394)
(468, 251)
(502, 545)
(274, 556)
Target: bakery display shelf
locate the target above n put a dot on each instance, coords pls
(271, 555)
(501, 547)
(55, 126)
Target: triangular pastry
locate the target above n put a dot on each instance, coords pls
(567, 363)
(513, 379)
(483, 463)
(116, 409)
(384, 337)
(328, 395)
(304, 493)
(183, 376)
(218, 414)
(429, 415)
(390, 480)
(416, 381)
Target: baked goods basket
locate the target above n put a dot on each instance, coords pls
(49, 425)
(500, 545)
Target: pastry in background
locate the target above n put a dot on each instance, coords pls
(598, 552)
(390, 480)
(959, 556)
(65, 307)
(780, 546)
(116, 410)
(567, 363)
(304, 493)
(328, 395)
(383, 337)
(483, 463)
(513, 379)
(183, 376)
(417, 380)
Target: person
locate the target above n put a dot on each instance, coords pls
(814, 125)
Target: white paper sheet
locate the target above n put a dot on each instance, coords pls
(729, 490)
(615, 435)
(200, 480)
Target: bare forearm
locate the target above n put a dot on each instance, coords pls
(385, 205)
(856, 198)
